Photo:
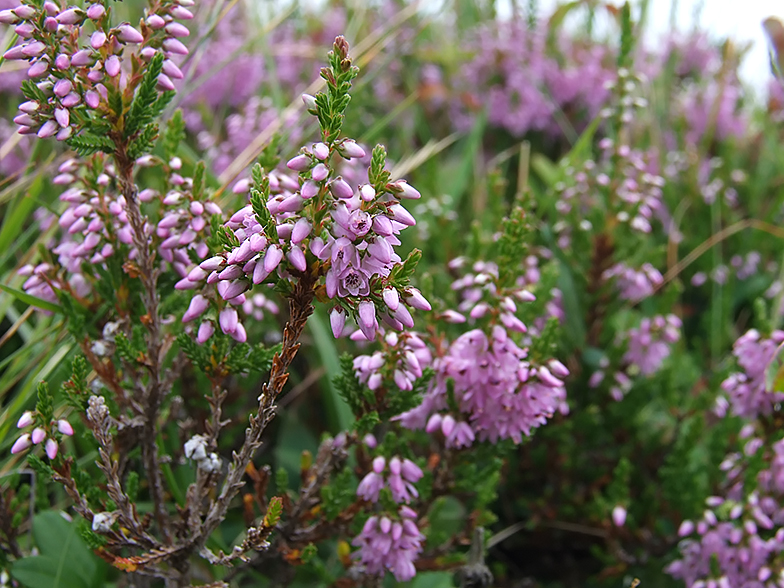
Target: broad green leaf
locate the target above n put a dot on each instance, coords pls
(338, 412)
(65, 560)
(14, 222)
(31, 300)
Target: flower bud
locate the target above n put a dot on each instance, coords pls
(128, 34)
(95, 11)
(176, 29)
(51, 448)
(337, 320)
(175, 46)
(341, 189)
(21, 444)
(71, 16)
(65, 427)
(350, 149)
(97, 39)
(300, 163)
(310, 103)
(155, 22)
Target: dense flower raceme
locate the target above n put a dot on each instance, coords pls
(42, 432)
(500, 392)
(95, 225)
(76, 56)
(740, 539)
(390, 542)
(515, 74)
(400, 479)
(746, 391)
(646, 348)
(350, 230)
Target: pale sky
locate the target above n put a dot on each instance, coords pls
(740, 19)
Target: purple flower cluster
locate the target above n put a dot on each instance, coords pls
(500, 394)
(74, 72)
(95, 225)
(390, 544)
(404, 355)
(403, 474)
(43, 432)
(634, 199)
(746, 389)
(740, 537)
(279, 238)
(649, 344)
(516, 77)
(632, 284)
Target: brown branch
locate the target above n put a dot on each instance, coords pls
(301, 307)
(152, 393)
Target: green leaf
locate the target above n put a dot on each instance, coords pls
(338, 411)
(144, 142)
(142, 110)
(87, 143)
(65, 560)
(14, 222)
(31, 300)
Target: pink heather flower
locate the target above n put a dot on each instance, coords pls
(746, 389)
(70, 16)
(196, 308)
(112, 66)
(176, 29)
(51, 448)
(95, 11)
(206, 329)
(21, 444)
(97, 39)
(368, 323)
(337, 321)
(65, 427)
(371, 485)
(619, 516)
(415, 299)
(175, 46)
(155, 22)
(128, 34)
(25, 420)
(387, 545)
(340, 189)
(38, 435)
(349, 148)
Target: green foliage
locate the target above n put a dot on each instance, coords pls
(348, 386)
(199, 177)
(274, 512)
(378, 176)
(45, 405)
(143, 109)
(216, 355)
(270, 155)
(86, 143)
(331, 105)
(64, 560)
(40, 467)
(339, 494)
(92, 539)
(76, 388)
(144, 142)
(174, 134)
(132, 486)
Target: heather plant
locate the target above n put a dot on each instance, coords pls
(227, 362)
